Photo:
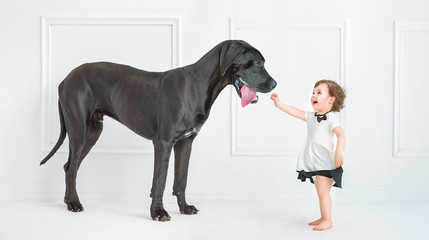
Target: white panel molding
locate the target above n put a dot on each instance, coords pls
(402, 27)
(269, 24)
(48, 22)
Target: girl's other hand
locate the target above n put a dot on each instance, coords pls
(339, 160)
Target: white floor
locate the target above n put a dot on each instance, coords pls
(228, 216)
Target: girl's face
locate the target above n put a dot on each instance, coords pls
(320, 100)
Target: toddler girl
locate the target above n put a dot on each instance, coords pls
(321, 158)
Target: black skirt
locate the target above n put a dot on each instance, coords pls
(336, 174)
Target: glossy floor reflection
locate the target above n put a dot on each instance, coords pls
(228, 216)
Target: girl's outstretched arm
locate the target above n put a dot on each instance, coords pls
(293, 111)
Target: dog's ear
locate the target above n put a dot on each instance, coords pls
(230, 51)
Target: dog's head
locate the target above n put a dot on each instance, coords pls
(245, 66)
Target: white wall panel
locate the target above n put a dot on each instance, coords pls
(302, 42)
(146, 43)
(298, 54)
(411, 136)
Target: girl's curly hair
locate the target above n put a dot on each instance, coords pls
(336, 91)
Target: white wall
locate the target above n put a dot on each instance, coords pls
(378, 50)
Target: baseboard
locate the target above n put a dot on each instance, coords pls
(142, 194)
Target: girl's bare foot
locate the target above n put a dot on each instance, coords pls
(324, 225)
(315, 223)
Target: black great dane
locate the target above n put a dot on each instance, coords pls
(168, 108)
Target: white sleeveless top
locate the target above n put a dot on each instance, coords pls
(319, 149)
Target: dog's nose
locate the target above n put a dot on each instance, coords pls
(273, 84)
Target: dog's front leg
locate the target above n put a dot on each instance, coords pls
(162, 155)
(182, 150)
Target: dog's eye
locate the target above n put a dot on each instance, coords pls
(248, 64)
(259, 63)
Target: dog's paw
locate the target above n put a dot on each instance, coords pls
(160, 215)
(73, 206)
(189, 210)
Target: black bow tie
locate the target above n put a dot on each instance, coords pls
(321, 117)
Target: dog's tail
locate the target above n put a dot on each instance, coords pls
(60, 139)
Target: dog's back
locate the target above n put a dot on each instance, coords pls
(100, 85)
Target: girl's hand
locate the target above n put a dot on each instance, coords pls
(341, 144)
(275, 98)
(339, 160)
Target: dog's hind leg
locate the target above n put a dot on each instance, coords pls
(71, 198)
(93, 133)
(77, 121)
(182, 150)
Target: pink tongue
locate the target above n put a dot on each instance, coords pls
(247, 95)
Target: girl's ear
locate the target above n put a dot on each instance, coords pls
(332, 100)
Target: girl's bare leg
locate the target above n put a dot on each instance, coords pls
(323, 187)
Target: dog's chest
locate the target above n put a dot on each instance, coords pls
(189, 133)
(194, 127)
